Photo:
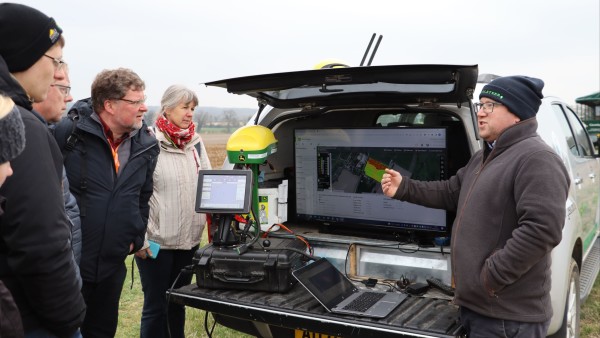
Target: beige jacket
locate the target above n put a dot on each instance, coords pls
(173, 222)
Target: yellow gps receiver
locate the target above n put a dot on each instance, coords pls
(330, 63)
(251, 145)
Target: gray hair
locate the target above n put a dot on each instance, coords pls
(176, 94)
(114, 84)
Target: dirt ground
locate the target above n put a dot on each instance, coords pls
(215, 146)
(212, 138)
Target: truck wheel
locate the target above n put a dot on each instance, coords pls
(570, 323)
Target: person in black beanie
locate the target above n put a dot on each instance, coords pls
(36, 261)
(502, 200)
(27, 37)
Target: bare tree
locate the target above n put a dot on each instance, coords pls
(231, 120)
(201, 119)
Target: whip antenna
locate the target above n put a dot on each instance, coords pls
(367, 51)
(375, 49)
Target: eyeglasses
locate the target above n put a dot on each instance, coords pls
(488, 107)
(58, 63)
(65, 90)
(135, 103)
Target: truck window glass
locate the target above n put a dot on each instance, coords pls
(566, 129)
(581, 135)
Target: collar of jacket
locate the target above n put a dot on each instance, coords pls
(12, 88)
(40, 117)
(141, 139)
(167, 145)
(515, 134)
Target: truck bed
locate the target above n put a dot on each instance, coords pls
(298, 309)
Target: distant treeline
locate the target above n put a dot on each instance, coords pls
(221, 120)
(213, 118)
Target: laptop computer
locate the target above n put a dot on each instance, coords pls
(339, 295)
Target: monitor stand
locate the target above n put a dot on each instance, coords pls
(225, 234)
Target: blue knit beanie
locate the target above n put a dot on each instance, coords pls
(522, 95)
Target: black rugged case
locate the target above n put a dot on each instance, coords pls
(258, 269)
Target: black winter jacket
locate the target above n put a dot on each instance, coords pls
(72, 210)
(71, 207)
(114, 209)
(10, 318)
(36, 261)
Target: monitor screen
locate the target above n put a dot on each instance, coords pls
(224, 191)
(338, 176)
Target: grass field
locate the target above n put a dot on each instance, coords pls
(132, 299)
(130, 312)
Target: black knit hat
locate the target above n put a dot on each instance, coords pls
(12, 132)
(522, 95)
(25, 35)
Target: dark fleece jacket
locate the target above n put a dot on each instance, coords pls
(510, 210)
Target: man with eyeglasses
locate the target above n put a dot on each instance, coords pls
(110, 156)
(52, 109)
(55, 104)
(510, 209)
(36, 262)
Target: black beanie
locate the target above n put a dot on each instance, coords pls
(522, 95)
(25, 35)
(12, 132)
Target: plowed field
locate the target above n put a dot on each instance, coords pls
(215, 146)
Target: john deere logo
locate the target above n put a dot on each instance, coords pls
(493, 93)
(242, 158)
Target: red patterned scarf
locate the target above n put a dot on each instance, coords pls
(179, 137)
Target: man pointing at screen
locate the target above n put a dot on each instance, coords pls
(510, 208)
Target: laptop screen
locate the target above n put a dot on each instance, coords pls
(325, 282)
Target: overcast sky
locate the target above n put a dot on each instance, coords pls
(191, 42)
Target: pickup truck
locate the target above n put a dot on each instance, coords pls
(334, 129)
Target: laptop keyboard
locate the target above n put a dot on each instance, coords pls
(364, 301)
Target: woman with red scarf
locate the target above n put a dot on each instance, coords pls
(173, 223)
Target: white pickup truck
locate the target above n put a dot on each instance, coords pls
(336, 128)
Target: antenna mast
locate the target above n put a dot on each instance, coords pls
(362, 62)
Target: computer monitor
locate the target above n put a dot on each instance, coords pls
(338, 177)
(224, 191)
